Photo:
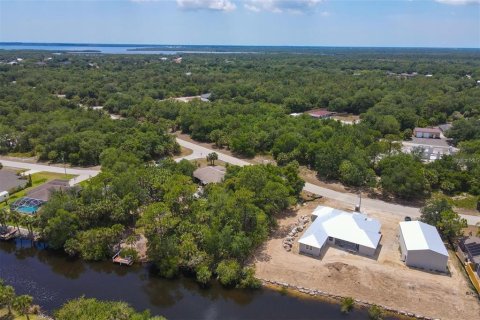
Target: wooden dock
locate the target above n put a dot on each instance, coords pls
(127, 261)
(8, 235)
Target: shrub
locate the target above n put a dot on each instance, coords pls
(248, 279)
(203, 274)
(347, 305)
(129, 252)
(375, 313)
(168, 267)
(228, 272)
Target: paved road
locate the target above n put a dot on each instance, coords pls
(201, 152)
(82, 174)
(348, 198)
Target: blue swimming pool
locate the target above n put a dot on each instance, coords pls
(26, 205)
(27, 210)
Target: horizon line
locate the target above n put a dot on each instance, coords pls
(228, 45)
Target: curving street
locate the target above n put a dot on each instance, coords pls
(348, 198)
(81, 174)
(201, 152)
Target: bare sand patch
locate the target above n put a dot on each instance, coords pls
(384, 280)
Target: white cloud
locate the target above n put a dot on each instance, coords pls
(459, 2)
(215, 5)
(278, 6)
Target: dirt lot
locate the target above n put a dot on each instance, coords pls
(311, 176)
(384, 280)
(347, 118)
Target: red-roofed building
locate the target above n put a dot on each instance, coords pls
(431, 133)
(320, 113)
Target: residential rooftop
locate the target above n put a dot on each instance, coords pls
(429, 130)
(320, 113)
(418, 235)
(352, 227)
(210, 174)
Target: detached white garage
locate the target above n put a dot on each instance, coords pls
(422, 246)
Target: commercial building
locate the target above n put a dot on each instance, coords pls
(354, 232)
(422, 247)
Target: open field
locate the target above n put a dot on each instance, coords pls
(347, 118)
(384, 280)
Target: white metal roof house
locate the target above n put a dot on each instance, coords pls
(422, 247)
(352, 231)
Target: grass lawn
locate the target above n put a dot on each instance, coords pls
(203, 163)
(37, 179)
(185, 152)
(466, 202)
(20, 154)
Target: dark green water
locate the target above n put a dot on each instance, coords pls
(52, 278)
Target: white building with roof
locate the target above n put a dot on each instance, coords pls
(422, 247)
(351, 231)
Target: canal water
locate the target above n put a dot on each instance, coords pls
(52, 278)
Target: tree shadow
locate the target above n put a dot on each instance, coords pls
(260, 255)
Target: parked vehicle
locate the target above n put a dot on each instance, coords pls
(4, 196)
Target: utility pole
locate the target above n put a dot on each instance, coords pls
(64, 165)
(359, 205)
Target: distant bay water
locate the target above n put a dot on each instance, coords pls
(123, 49)
(87, 48)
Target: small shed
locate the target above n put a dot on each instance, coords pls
(422, 247)
(210, 174)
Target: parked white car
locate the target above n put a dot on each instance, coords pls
(4, 196)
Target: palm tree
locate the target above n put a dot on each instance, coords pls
(3, 218)
(7, 297)
(211, 157)
(15, 218)
(29, 221)
(22, 305)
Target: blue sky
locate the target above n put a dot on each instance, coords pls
(425, 23)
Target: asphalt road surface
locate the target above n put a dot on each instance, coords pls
(349, 198)
(81, 174)
(201, 152)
